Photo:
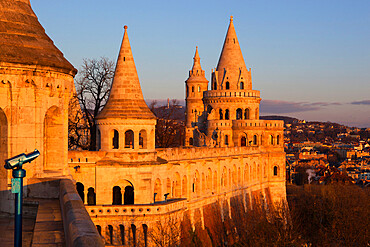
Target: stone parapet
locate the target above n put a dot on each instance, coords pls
(231, 93)
(267, 124)
(78, 228)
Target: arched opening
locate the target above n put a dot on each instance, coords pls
(255, 140)
(142, 139)
(98, 140)
(239, 114)
(243, 141)
(53, 134)
(110, 234)
(191, 142)
(91, 196)
(227, 115)
(192, 89)
(241, 85)
(209, 109)
(271, 139)
(157, 190)
(133, 232)
(115, 139)
(99, 229)
(80, 190)
(187, 91)
(227, 86)
(129, 139)
(145, 231)
(117, 196)
(226, 140)
(3, 149)
(221, 114)
(278, 140)
(215, 86)
(275, 171)
(122, 234)
(246, 113)
(184, 186)
(129, 195)
(198, 89)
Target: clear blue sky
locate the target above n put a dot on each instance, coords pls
(309, 59)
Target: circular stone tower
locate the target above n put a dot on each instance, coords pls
(126, 124)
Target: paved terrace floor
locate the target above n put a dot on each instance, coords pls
(42, 229)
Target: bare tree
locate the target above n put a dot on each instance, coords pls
(166, 232)
(77, 126)
(93, 87)
(170, 126)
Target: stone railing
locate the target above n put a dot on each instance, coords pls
(231, 93)
(269, 124)
(190, 153)
(79, 230)
(137, 209)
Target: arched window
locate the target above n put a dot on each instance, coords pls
(191, 143)
(271, 139)
(99, 229)
(255, 140)
(226, 140)
(187, 91)
(80, 189)
(122, 233)
(98, 140)
(129, 139)
(192, 89)
(115, 139)
(278, 140)
(145, 231)
(227, 115)
(117, 196)
(133, 232)
(129, 195)
(227, 85)
(275, 171)
(209, 109)
(198, 89)
(246, 113)
(243, 141)
(91, 196)
(215, 86)
(157, 190)
(241, 85)
(221, 114)
(239, 113)
(142, 139)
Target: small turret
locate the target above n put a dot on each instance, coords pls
(126, 122)
(196, 84)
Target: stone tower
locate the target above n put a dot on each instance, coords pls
(36, 83)
(196, 84)
(230, 106)
(126, 124)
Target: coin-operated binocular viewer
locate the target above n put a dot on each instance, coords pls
(15, 163)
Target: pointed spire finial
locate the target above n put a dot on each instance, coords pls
(125, 27)
(231, 18)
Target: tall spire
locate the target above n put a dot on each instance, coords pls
(196, 70)
(231, 56)
(196, 65)
(126, 98)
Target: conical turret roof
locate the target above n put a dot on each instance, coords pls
(126, 98)
(23, 40)
(196, 73)
(231, 57)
